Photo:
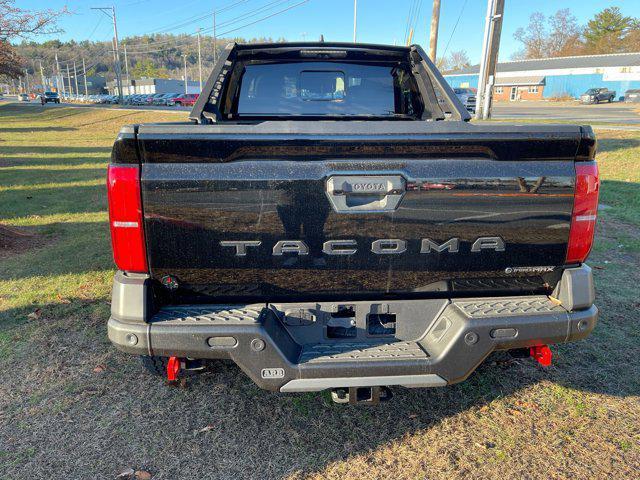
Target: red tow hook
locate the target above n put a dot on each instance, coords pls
(541, 353)
(173, 367)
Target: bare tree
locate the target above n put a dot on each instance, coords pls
(19, 23)
(533, 37)
(454, 61)
(443, 64)
(458, 60)
(565, 35)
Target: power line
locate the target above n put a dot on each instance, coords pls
(244, 16)
(264, 8)
(208, 29)
(196, 18)
(187, 39)
(264, 18)
(454, 28)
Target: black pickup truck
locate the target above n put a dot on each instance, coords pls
(329, 219)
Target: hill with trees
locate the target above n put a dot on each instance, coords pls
(160, 56)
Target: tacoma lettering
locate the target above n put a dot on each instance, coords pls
(382, 246)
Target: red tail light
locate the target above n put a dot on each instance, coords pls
(125, 218)
(585, 211)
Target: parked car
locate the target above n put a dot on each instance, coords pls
(632, 96)
(150, 100)
(467, 97)
(134, 99)
(164, 100)
(597, 95)
(140, 99)
(354, 283)
(184, 100)
(23, 97)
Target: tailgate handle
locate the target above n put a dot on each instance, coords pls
(365, 193)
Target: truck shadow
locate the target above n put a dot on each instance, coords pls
(228, 425)
(36, 129)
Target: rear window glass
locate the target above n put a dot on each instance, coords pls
(327, 89)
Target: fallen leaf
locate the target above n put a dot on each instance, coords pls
(63, 300)
(413, 415)
(126, 474)
(99, 368)
(35, 315)
(205, 429)
(142, 475)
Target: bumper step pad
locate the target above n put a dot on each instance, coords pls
(323, 352)
(210, 314)
(508, 307)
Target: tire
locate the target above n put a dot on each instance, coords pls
(596, 101)
(155, 365)
(610, 99)
(158, 366)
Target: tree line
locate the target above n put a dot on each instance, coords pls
(153, 56)
(560, 35)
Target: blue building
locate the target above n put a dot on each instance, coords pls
(556, 77)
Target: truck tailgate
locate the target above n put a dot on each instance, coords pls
(305, 210)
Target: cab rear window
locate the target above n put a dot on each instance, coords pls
(327, 89)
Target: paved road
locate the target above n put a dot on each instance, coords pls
(617, 113)
(622, 113)
(94, 105)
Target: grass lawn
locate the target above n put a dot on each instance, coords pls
(71, 406)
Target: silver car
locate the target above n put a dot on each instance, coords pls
(467, 97)
(632, 96)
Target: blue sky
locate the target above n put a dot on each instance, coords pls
(379, 21)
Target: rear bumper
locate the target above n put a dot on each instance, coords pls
(284, 347)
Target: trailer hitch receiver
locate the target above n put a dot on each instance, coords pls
(361, 395)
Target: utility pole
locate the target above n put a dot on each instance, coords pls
(355, 19)
(26, 82)
(84, 71)
(199, 61)
(69, 80)
(215, 50)
(126, 70)
(490, 48)
(410, 37)
(59, 77)
(433, 36)
(42, 76)
(116, 51)
(75, 77)
(185, 74)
